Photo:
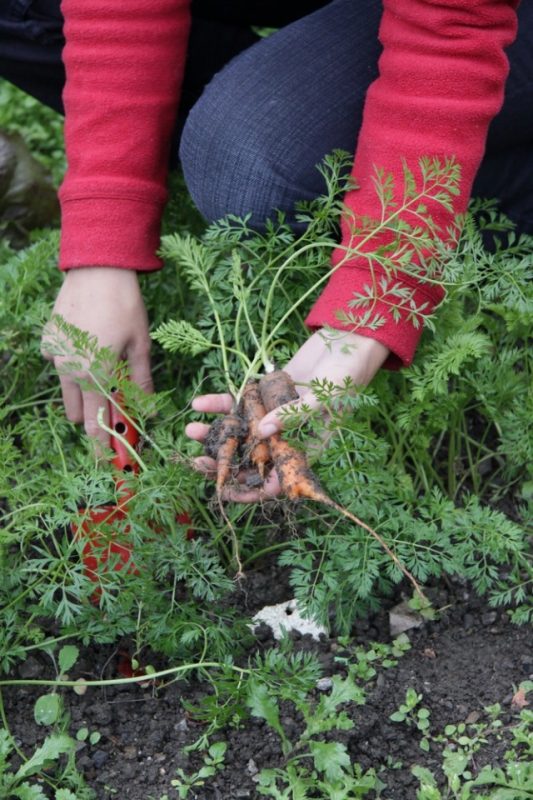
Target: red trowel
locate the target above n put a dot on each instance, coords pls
(102, 542)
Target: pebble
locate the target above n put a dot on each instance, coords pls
(102, 714)
(31, 668)
(128, 769)
(324, 684)
(251, 767)
(130, 752)
(489, 618)
(181, 726)
(84, 763)
(99, 758)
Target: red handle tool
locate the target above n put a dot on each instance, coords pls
(102, 541)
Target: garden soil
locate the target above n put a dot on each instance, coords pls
(470, 658)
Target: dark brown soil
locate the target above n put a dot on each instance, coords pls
(470, 658)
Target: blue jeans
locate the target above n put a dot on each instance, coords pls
(258, 116)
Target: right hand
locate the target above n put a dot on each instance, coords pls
(107, 303)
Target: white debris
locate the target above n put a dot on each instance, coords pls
(324, 684)
(402, 618)
(285, 617)
(252, 768)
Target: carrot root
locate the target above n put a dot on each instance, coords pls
(277, 388)
(252, 409)
(222, 444)
(296, 478)
(297, 481)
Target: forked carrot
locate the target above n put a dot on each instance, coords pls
(295, 476)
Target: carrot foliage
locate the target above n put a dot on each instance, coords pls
(434, 458)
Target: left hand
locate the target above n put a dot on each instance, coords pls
(323, 356)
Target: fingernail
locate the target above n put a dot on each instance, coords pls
(268, 429)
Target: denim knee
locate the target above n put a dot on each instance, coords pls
(231, 160)
(252, 142)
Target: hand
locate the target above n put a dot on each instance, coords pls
(107, 303)
(323, 355)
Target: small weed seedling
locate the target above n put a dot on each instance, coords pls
(213, 763)
(415, 716)
(53, 762)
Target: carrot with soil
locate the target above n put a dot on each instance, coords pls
(222, 444)
(296, 479)
(251, 407)
(295, 476)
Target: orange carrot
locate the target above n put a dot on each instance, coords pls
(222, 444)
(277, 388)
(252, 411)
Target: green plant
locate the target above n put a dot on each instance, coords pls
(84, 735)
(425, 456)
(20, 783)
(57, 750)
(463, 741)
(313, 764)
(513, 782)
(213, 763)
(412, 715)
(41, 128)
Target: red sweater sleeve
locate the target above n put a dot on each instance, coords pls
(441, 81)
(124, 64)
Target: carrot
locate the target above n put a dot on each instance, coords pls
(295, 476)
(222, 444)
(252, 411)
(277, 388)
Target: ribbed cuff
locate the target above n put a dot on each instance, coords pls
(400, 336)
(110, 232)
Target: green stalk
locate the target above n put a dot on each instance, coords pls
(123, 681)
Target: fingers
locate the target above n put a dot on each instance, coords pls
(206, 465)
(92, 403)
(268, 491)
(213, 403)
(197, 431)
(72, 399)
(273, 422)
(209, 404)
(138, 357)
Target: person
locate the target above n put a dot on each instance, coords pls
(389, 81)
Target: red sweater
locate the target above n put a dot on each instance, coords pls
(441, 81)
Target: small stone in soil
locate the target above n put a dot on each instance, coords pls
(251, 767)
(31, 668)
(403, 618)
(130, 752)
(99, 758)
(84, 763)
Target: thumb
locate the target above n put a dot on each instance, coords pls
(274, 421)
